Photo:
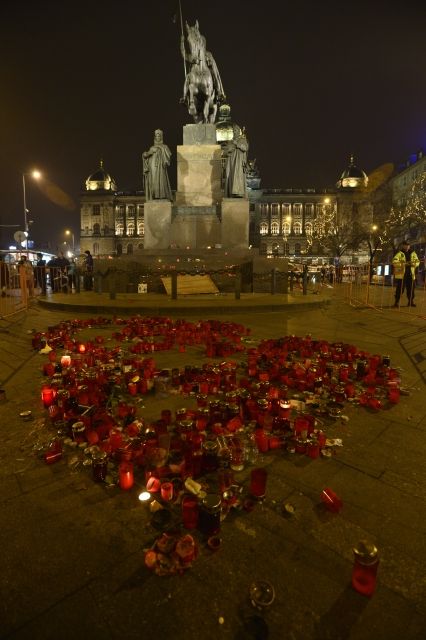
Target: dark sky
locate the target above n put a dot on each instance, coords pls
(311, 82)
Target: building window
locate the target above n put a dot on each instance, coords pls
(286, 229)
(286, 210)
(119, 228)
(264, 209)
(309, 209)
(119, 249)
(106, 230)
(275, 228)
(131, 210)
(141, 228)
(263, 228)
(308, 228)
(131, 229)
(96, 209)
(129, 249)
(122, 210)
(275, 209)
(140, 210)
(297, 228)
(96, 229)
(297, 209)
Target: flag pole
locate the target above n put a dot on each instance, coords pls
(181, 30)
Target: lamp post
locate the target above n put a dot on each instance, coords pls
(36, 175)
(287, 229)
(70, 233)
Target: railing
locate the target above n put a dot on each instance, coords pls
(362, 287)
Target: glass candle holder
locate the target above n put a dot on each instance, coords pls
(167, 491)
(100, 466)
(209, 515)
(331, 500)
(364, 572)
(48, 395)
(190, 512)
(78, 430)
(125, 475)
(258, 478)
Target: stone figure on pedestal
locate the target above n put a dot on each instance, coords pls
(235, 153)
(203, 89)
(155, 163)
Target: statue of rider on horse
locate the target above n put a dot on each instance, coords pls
(203, 89)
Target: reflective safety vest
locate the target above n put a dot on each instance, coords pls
(399, 262)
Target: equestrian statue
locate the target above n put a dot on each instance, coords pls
(203, 89)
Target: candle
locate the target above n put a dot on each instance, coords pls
(258, 479)
(48, 395)
(125, 473)
(167, 491)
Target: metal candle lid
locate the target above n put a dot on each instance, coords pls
(366, 552)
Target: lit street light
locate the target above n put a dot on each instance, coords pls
(36, 175)
(70, 233)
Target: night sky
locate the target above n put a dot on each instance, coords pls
(311, 82)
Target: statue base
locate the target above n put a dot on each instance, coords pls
(157, 221)
(199, 167)
(235, 223)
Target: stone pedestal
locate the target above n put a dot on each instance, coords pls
(196, 231)
(235, 223)
(158, 222)
(199, 167)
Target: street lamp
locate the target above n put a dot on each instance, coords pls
(36, 175)
(70, 233)
(287, 229)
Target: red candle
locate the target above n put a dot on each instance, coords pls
(167, 491)
(190, 512)
(66, 360)
(258, 479)
(48, 396)
(153, 484)
(365, 567)
(125, 471)
(331, 500)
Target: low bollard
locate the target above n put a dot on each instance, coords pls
(305, 281)
(174, 285)
(285, 276)
(273, 281)
(238, 285)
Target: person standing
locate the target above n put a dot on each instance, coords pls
(63, 264)
(41, 273)
(88, 271)
(26, 275)
(155, 163)
(405, 262)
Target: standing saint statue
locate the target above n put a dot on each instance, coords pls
(203, 89)
(235, 154)
(155, 163)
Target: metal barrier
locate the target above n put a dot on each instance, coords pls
(17, 289)
(362, 287)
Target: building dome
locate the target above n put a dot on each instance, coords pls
(352, 177)
(100, 179)
(224, 124)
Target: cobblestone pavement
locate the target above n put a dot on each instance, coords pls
(72, 562)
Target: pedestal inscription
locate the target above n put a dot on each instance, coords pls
(235, 223)
(157, 221)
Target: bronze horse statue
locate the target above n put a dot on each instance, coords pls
(203, 87)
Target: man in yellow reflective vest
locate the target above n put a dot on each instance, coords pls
(405, 263)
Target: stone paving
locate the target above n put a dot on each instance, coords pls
(73, 564)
